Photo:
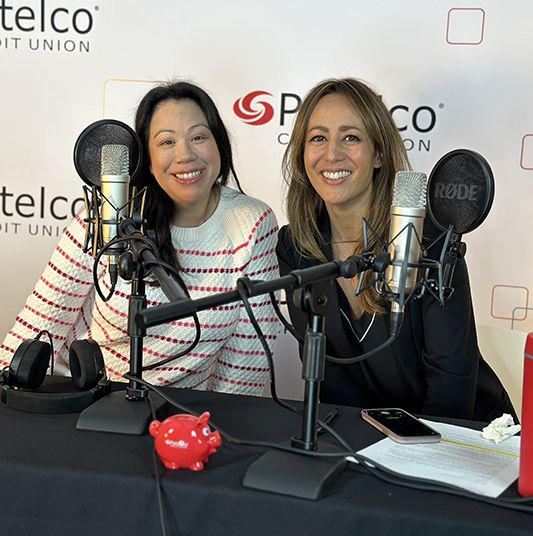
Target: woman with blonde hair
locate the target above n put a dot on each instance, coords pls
(340, 164)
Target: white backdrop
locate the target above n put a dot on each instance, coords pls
(464, 65)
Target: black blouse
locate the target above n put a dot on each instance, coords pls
(433, 367)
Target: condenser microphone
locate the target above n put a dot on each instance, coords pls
(114, 184)
(106, 154)
(408, 211)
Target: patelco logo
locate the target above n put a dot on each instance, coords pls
(417, 122)
(252, 110)
(37, 26)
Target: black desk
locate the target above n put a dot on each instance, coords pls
(55, 480)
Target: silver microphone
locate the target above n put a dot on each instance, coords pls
(114, 187)
(408, 211)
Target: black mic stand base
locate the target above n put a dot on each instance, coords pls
(298, 475)
(117, 414)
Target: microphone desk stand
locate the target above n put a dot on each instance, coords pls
(290, 473)
(130, 412)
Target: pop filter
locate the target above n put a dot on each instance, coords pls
(88, 148)
(460, 191)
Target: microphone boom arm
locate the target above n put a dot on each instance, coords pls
(161, 314)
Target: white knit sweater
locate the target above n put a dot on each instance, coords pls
(237, 240)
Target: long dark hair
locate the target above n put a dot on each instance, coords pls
(160, 210)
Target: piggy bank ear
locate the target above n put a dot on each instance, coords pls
(154, 427)
(204, 417)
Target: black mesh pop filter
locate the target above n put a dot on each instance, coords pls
(460, 191)
(88, 148)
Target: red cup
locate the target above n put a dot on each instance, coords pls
(525, 478)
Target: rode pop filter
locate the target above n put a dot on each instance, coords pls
(460, 191)
(88, 149)
(460, 196)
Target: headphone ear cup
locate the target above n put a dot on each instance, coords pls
(86, 363)
(29, 364)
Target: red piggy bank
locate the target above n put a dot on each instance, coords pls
(184, 441)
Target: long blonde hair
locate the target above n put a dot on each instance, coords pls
(304, 205)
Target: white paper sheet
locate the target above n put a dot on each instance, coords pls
(462, 458)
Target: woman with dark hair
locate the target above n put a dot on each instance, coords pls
(340, 165)
(158, 105)
(210, 233)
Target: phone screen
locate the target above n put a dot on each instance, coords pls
(400, 423)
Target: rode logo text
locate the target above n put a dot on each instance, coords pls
(462, 192)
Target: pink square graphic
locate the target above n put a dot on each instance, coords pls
(465, 26)
(505, 298)
(526, 152)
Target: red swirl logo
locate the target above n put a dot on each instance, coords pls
(252, 111)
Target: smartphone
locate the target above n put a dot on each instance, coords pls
(400, 426)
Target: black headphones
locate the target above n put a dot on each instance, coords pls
(21, 381)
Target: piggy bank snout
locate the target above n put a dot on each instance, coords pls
(215, 440)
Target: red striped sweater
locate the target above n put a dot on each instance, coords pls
(238, 240)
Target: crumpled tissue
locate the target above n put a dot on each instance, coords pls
(501, 428)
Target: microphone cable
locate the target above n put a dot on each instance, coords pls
(521, 504)
(150, 245)
(250, 443)
(159, 488)
(288, 326)
(341, 360)
(243, 284)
